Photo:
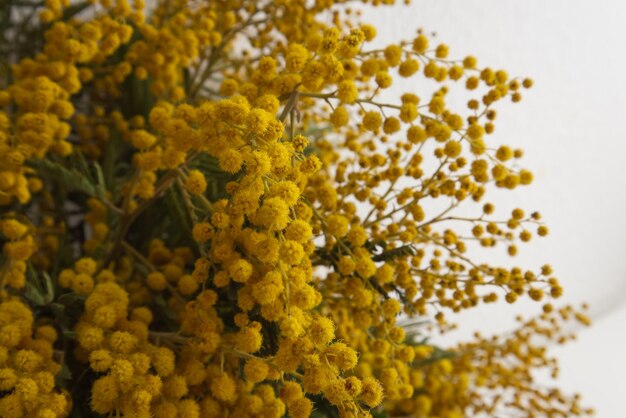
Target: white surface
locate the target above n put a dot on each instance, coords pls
(571, 128)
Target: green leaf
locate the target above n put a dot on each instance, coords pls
(71, 299)
(314, 131)
(63, 378)
(71, 179)
(66, 310)
(372, 245)
(164, 315)
(414, 329)
(101, 186)
(323, 408)
(79, 161)
(109, 158)
(65, 373)
(137, 99)
(116, 164)
(39, 288)
(176, 207)
(394, 253)
(207, 164)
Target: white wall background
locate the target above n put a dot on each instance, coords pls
(572, 126)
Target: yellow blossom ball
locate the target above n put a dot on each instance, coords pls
(340, 117)
(82, 283)
(322, 331)
(347, 92)
(343, 356)
(240, 270)
(291, 252)
(187, 285)
(383, 79)
(256, 370)
(105, 392)
(299, 231)
(196, 182)
(223, 388)
(249, 339)
(372, 121)
(231, 161)
(156, 281)
(371, 392)
(13, 230)
(337, 225)
(202, 232)
(8, 379)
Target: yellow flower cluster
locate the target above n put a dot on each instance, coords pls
(27, 367)
(19, 247)
(136, 378)
(222, 217)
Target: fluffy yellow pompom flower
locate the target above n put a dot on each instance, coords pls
(231, 161)
(420, 44)
(347, 92)
(8, 379)
(372, 121)
(291, 252)
(299, 231)
(340, 117)
(383, 79)
(156, 280)
(223, 388)
(196, 182)
(202, 232)
(371, 392)
(341, 355)
(104, 394)
(269, 288)
(322, 331)
(274, 214)
(142, 139)
(249, 339)
(255, 370)
(13, 230)
(240, 270)
(337, 225)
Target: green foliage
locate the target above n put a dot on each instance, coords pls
(39, 287)
(84, 176)
(389, 255)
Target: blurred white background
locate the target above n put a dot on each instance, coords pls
(571, 126)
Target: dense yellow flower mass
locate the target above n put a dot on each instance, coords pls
(214, 209)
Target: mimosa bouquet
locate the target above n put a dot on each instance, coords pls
(221, 208)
